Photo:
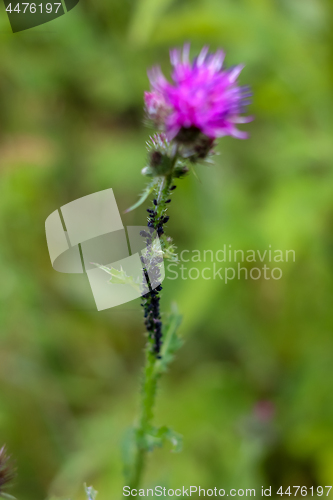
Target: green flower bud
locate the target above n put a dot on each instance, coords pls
(159, 163)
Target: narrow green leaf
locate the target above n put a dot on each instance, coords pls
(128, 449)
(171, 341)
(120, 277)
(148, 189)
(173, 437)
(157, 437)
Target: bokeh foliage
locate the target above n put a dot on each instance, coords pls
(70, 125)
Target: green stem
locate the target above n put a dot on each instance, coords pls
(148, 394)
(151, 375)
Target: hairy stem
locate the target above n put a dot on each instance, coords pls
(147, 412)
(152, 352)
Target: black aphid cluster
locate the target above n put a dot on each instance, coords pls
(152, 278)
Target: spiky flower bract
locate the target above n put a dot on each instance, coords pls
(203, 98)
(7, 472)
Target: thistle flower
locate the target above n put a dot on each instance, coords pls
(7, 472)
(202, 103)
(203, 98)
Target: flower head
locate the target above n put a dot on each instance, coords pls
(203, 98)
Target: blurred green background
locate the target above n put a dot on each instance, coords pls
(252, 388)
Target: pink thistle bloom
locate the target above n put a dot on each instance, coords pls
(203, 97)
